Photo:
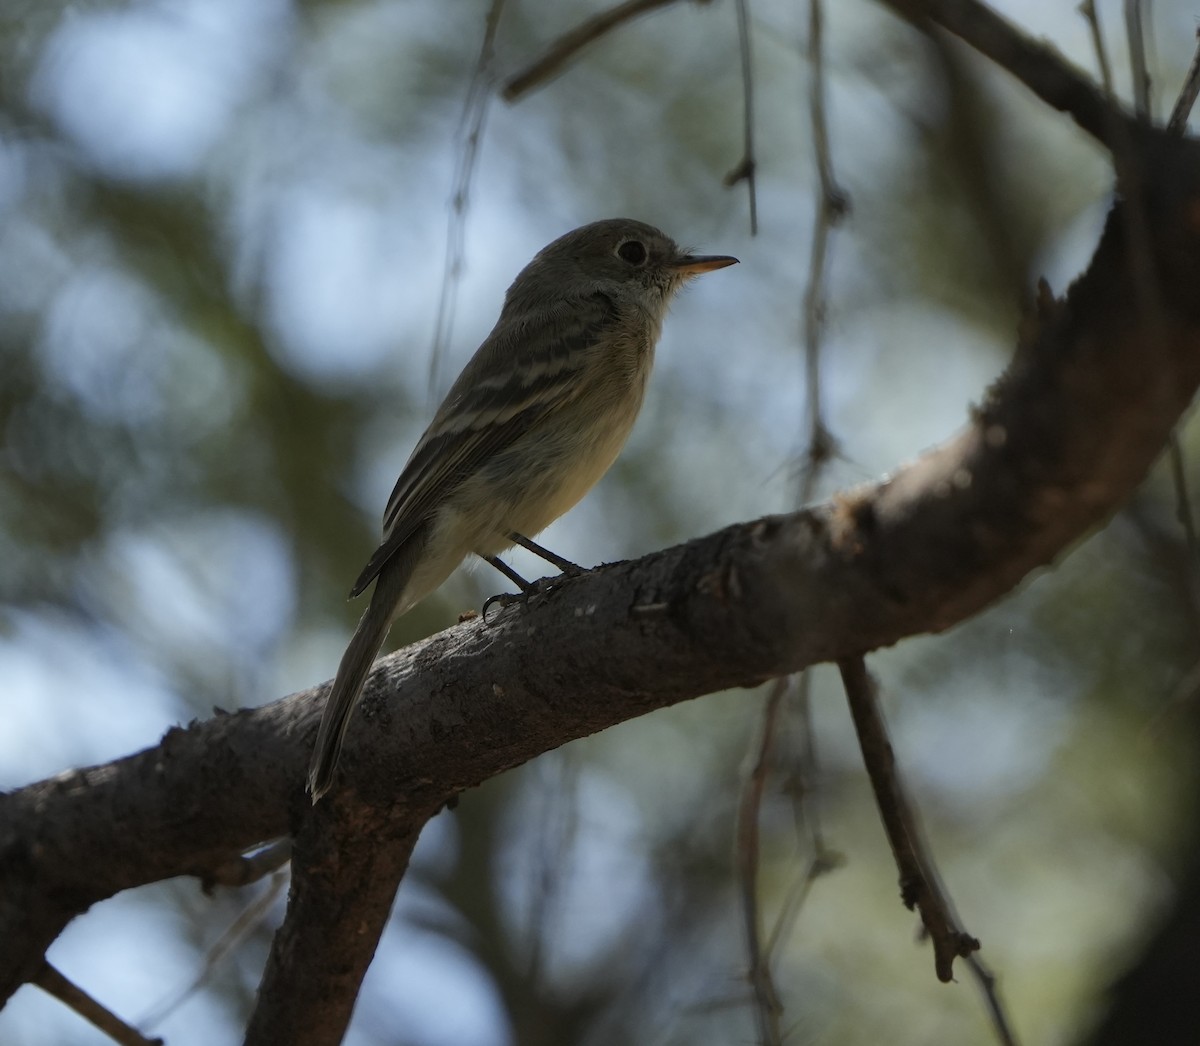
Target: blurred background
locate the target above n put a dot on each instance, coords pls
(224, 233)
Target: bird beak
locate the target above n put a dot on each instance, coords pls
(694, 264)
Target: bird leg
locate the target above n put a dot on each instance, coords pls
(495, 561)
(527, 588)
(553, 558)
(507, 598)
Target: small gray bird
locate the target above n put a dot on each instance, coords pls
(533, 421)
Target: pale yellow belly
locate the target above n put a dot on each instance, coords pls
(529, 485)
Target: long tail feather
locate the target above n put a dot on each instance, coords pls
(386, 601)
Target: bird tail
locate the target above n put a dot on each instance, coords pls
(387, 601)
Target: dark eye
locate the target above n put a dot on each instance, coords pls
(632, 251)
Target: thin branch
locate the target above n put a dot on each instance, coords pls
(998, 1012)
(1135, 36)
(802, 786)
(747, 166)
(1124, 158)
(241, 928)
(830, 207)
(794, 899)
(1037, 65)
(1088, 10)
(920, 884)
(767, 1008)
(562, 50)
(804, 775)
(54, 983)
(557, 826)
(920, 887)
(474, 118)
(1177, 124)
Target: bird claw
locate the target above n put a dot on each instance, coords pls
(542, 587)
(505, 599)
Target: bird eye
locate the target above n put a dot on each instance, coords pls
(632, 251)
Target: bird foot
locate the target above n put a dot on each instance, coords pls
(542, 587)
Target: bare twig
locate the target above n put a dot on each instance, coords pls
(1176, 125)
(919, 884)
(562, 50)
(1134, 32)
(832, 205)
(238, 931)
(747, 165)
(474, 117)
(1037, 65)
(830, 208)
(1088, 10)
(1122, 149)
(801, 785)
(54, 983)
(991, 994)
(767, 1005)
(557, 828)
(1187, 94)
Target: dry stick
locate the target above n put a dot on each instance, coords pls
(1187, 94)
(1137, 58)
(747, 165)
(559, 53)
(54, 983)
(1088, 10)
(807, 813)
(238, 931)
(474, 117)
(997, 37)
(767, 1005)
(919, 886)
(987, 984)
(1035, 64)
(831, 206)
(557, 829)
(1183, 501)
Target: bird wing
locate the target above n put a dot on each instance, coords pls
(527, 369)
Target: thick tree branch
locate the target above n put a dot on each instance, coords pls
(1060, 442)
